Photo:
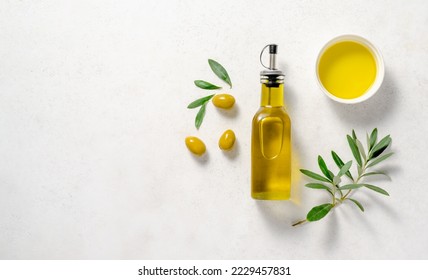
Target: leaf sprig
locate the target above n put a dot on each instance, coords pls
(220, 72)
(331, 183)
(201, 102)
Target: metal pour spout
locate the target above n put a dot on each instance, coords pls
(272, 58)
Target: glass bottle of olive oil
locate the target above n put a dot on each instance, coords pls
(271, 138)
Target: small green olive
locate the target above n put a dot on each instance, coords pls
(224, 100)
(195, 145)
(227, 140)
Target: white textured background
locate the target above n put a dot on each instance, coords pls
(93, 117)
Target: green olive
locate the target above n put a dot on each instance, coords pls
(224, 100)
(195, 145)
(227, 140)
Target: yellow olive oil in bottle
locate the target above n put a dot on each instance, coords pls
(271, 137)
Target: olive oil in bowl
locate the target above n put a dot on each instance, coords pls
(349, 69)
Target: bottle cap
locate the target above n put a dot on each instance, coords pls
(272, 74)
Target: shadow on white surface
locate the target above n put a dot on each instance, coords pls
(278, 214)
(204, 159)
(392, 170)
(381, 201)
(234, 153)
(229, 113)
(356, 216)
(370, 112)
(296, 176)
(345, 215)
(332, 234)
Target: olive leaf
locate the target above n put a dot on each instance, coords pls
(351, 186)
(319, 212)
(220, 71)
(357, 203)
(379, 159)
(375, 173)
(380, 147)
(368, 141)
(360, 170)
(339, 163)
(319, 187)
(376, 189)
(354, 149)
(200, 116)
(373, 138)
(200, 101)
(205, 85)
(361, 149)
(354, 136)
(314, 175)
(324, 169)
(344, 169)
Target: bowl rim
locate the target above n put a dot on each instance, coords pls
(380, 68)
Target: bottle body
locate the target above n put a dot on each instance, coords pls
(271, 147)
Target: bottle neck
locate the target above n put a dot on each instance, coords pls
(272, 96)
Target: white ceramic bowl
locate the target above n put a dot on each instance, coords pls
(380, 68)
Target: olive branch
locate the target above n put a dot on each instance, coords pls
(331, 183)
